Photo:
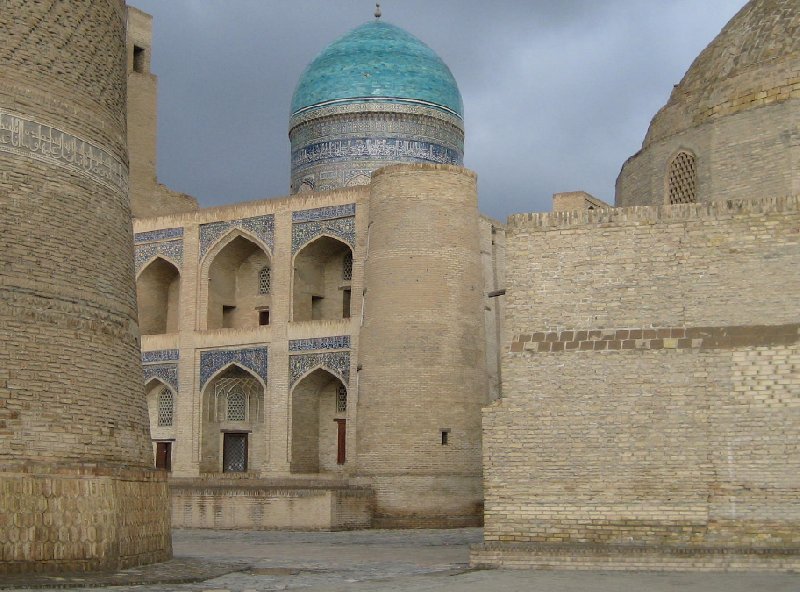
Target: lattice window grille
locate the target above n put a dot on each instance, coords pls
(232, 396)
(682, 179)
(347, 267)
(265, 280)
(236, 406)
(166, 408)
(341, 399)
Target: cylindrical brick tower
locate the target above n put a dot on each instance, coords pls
(422, 378)
(77, 491)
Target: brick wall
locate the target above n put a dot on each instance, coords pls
(650, 388)
(78, 491)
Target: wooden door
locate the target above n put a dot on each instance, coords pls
(341, 441)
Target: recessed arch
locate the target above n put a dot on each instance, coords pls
(161, 405)
(233, 403)
(319, 290)
(318, 424)
(232, 278)
(158, 288)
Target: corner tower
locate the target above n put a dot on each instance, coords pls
(422, 378)
(78, 491)
(377, 96)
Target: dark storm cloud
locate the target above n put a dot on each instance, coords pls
(557, 93)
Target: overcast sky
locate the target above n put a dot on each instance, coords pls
(557, 93)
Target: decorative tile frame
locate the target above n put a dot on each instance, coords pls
(162, 234)
(167, 373)
(325, 213)
(161, 364)
(161, 355)
(338, 342)
(167, 242)
(211, 361)
(338, 221)
(338, 363)
(262, 227)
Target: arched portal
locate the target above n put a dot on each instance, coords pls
(162, 409)
(158, 294)
(233, 427)
(319, 428)
(321, 287)
(238, 296)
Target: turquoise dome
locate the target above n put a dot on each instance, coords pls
(377, 62)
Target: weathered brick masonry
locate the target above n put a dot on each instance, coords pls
(651, 390)
(77, 490)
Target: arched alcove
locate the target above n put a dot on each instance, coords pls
(319, 411)
(236, 295)
(158, 294)
(162, 408)
(320, 290)
(233, 424)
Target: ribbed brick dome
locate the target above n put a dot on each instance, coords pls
(753, 61)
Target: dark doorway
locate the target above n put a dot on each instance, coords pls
(164, 455)
(234, 453)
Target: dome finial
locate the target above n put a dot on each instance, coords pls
(377, 10)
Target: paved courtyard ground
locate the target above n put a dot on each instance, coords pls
(406, 560)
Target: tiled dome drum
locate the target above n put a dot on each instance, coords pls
(376, 96)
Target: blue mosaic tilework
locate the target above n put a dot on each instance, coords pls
(211, 361)
(380, 62)
(389, 149)
(262, 227)
(167, 373)
(161, 355)
(326, 213)
(337, 363)
(158, 235)
(172, 250)
(338, 342)
(342, 228)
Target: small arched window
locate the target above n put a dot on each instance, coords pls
(347, 267)
(341, 399)
(166, 408)
(682, 179)
(265, 280)
(236, 409)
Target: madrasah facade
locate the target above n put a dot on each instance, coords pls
(327, 359)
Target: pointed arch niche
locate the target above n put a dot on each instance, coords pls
(319, 412)
(319, 288)
(233, 427)
(236, 296)
(158, 289)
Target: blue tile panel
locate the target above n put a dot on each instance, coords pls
(158, 235)
(371, 149)
(326, 213)
(338, 342)
(167, 373)
(262, 227)
(171, 250)
(162, 355)
(341, 228)
(338, 363)
(254, 359)
(378, 62)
